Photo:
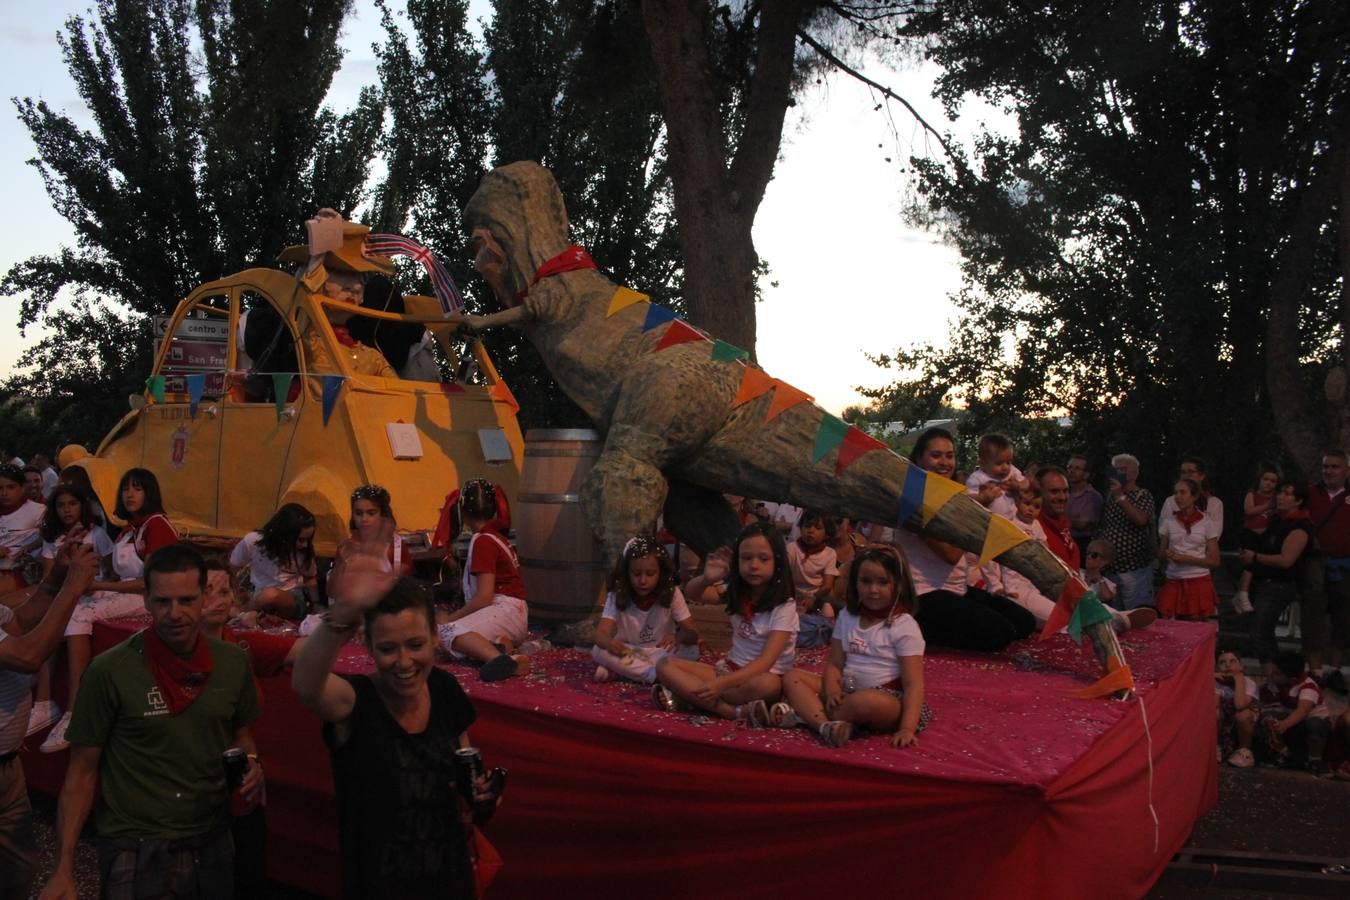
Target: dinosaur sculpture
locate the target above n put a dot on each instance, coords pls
(674, 441)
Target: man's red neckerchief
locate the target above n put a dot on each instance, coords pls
(180, 681)
(572, 259)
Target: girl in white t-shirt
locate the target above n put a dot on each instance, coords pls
(764, 627)
(1189, 541)
(873, 677)
(645, 616)
(280, 560)
(68, 508)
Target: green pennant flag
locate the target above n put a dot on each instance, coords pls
(281, 385)
(1087, 613)
(830, 435)
(155, 385)
(724, 352)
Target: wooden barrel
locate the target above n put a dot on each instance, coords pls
(562, 562)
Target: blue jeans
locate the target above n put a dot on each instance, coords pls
(1134, 588)
(1269, 600)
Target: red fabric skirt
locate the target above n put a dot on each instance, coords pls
(1188, 597)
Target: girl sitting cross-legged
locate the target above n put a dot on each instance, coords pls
(764, 626)
(645, 616)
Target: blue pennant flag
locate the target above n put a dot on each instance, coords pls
(332, 386)
(196, 385)
(657, 315)
(911, 494)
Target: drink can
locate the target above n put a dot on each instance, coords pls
(235, 761)
(468, 769)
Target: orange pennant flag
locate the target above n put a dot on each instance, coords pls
(785, 396)
(1118, 680)
(502, 394)
(679, 332)
(856, 442)
(754, 383)
(1001, 536)
(624, 298)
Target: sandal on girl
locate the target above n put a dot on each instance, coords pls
(836, 733)
(756, 713)
(782, 715)
(662, 698)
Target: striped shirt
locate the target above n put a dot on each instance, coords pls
(16, 699)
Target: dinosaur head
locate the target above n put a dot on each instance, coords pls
(516, 221)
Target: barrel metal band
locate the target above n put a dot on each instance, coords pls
(548, 498)
(564, 565)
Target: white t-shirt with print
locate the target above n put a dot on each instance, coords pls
(644, 629)
(809, 569)
(872, 654)
(748, 638)
(19, 532)
(263, 570)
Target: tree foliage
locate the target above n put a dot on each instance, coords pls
(1123, 251)
(196, 164)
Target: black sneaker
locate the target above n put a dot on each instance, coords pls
(1317, 768)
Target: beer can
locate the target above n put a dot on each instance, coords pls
(235, 761)
(468, 769)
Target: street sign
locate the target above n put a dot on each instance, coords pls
(189, 355)
(217, 330)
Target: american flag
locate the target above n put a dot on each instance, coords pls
(397, 245)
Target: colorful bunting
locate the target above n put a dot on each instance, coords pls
(1000, 537)
(624, 298)
(856, 443)
(911, 494)
(332, 386)
(155, 385)
(785, 396)
(196, 385)
(502, 394)
(724, 352)
(281, 385)
(754, 383)
(679, 332)
(1064, 606)
(830, 435)
(936, 492)
(657, 315)
(1087, 613)
(1118, 679)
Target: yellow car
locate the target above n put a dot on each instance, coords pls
(227, 461)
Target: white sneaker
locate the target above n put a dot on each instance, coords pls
(601, 674)
(56, 741)
(44, 713)
(1242, 604)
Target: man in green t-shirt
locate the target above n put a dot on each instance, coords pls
(153, 717)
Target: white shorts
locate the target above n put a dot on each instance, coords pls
(101, 605)
(507, 617)
(640, 663)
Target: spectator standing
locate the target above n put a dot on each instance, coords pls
(1257, 508)
(1326, 587)
(1188, 541)
(1127, 523)
(152, 737)
(28, 635)
(1054, 517)
(1193, 469)
(1274, 565)
(1084, 506)
(49, 475)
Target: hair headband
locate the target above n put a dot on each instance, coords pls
(372, 492)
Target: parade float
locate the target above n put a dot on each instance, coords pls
(231, 438)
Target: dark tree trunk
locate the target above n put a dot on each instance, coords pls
(716, 198)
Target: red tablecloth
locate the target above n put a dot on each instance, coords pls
(1014, 789)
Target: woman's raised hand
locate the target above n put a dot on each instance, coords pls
(362, 574)
(718, 564)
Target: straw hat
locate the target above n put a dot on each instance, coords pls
(347, 258)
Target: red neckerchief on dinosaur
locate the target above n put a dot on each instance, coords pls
(572, 259)
(1189, 518)
(179, 680)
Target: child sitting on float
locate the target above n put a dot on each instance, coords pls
(764, 628)
(371, 507)
(873, 677)
(494, 617)
(645, 616)
(280, 561)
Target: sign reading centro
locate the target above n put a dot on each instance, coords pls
(217, 330)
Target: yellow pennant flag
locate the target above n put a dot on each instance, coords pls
(936, 492)
(624, 298)
(1002, 535)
